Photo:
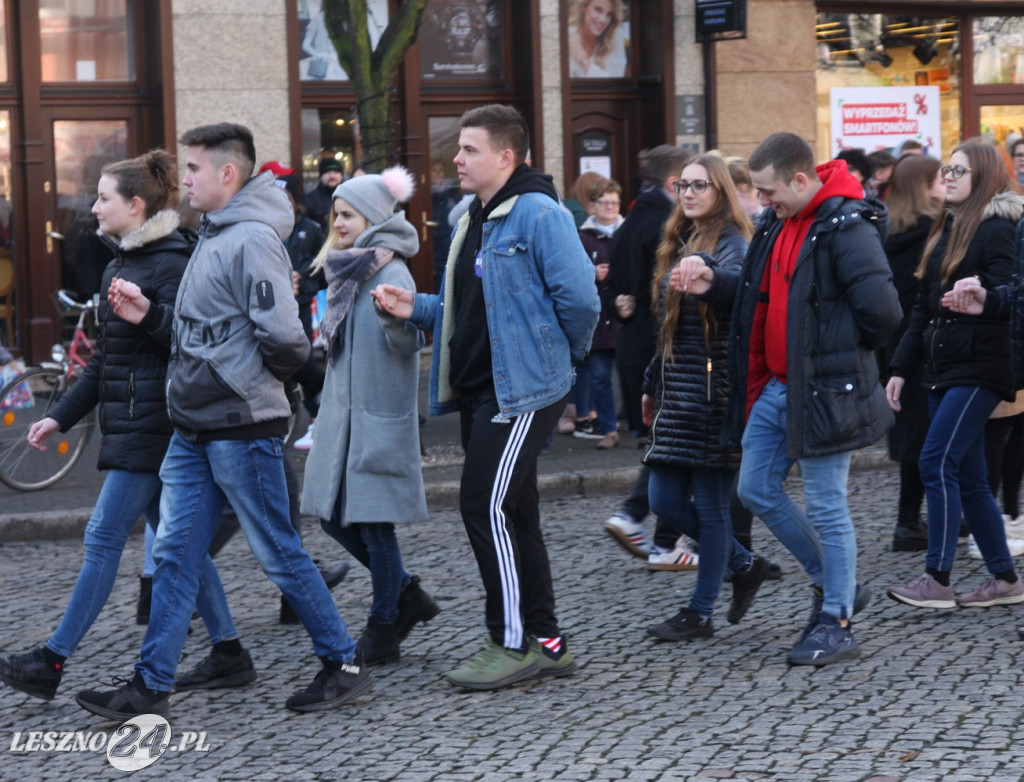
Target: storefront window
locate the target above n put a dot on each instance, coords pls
(86, 41)
(327, 133)
(318, 58)
(3, 42)
(880, 51)
(461, 40)
(999, 50)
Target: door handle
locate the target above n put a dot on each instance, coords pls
(51, 235)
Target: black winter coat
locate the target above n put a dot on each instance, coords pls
(126, 375)
(842, 307)
(303, 244)
(1008, 301)
(691, 390)
(598, 246)
(955, 348)
(634, 259)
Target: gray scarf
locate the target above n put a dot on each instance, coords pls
(346, 271)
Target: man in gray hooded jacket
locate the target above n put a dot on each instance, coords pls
(237, 337)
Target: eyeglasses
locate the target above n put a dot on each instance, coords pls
(953, 172)
(606, 202)
(698, 185)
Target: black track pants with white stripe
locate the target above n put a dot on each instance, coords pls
(500, 508)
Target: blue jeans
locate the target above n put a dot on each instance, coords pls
(124, 497)
(376, 548)
(822, 537)
(602, 394)
(581, 390)
(669, 490)
(955, 478)
(199, 480)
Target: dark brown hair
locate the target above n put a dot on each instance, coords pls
(505, 126)
(151, 177)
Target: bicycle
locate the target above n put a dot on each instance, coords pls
(31, 395)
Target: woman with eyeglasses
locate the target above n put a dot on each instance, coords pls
(593, 388)
(685, 390)
(966, 363)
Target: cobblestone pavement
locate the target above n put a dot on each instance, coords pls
(935, 695)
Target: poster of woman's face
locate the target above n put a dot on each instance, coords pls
(598, 39)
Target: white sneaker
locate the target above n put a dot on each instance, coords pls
(1014, 527)
(1016, 546)
(679, 558)
(305, 442)
(630, 535)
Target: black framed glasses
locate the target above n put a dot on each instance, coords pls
(698, 185)
(953, 172)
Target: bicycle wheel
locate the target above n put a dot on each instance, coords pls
(23, 401)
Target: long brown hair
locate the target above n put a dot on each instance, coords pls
(683, 237)
(908, 198)
(988, 178)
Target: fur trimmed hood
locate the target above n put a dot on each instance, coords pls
(1007, 205)
(163, 223)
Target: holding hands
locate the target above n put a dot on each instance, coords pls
(692, 275)
(968, 295)
(393, 300)
(127, 300)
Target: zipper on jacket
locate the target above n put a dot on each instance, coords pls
(654, 423)
(131, 396)
(709, 378)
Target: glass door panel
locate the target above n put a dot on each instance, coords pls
(7, 281)
(80, 150)
(86, 40)
(4, 73)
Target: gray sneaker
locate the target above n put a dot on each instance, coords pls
(993, 593)
(924, 592)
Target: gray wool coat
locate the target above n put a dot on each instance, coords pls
(365, 460)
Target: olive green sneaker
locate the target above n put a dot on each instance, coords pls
(553, 663)
(494, 667)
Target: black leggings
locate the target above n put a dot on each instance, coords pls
(1004, 455)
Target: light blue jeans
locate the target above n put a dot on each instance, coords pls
(669, 490)
(199, 480)
(125, 497)
(821, 538)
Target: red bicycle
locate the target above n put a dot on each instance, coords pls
(32, 394)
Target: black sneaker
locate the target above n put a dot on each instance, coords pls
(744, 589)
(31, 674)
(219, 671)
(337, 683)
(687, 625)
(587, 430)
(414, 606)
(130, 699)
(861, 598)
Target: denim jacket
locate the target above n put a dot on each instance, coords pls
(542, 305)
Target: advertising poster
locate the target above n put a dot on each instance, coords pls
(872, 118)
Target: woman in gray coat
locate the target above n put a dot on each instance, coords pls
(363, 474)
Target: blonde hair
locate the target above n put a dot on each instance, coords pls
(604, 43)
(682, 235)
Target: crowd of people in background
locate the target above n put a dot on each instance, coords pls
(742, 317)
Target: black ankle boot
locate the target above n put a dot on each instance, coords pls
(379, 643)
(145, 598)
(910, 535)
(414, 606)
(287, 615)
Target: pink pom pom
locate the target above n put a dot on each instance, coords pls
(399, 182)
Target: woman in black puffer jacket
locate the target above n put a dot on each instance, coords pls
(966, 370)
(125, 378)
(685, 391)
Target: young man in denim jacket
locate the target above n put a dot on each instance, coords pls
(518, 304)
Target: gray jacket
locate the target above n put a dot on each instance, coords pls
(237, 334)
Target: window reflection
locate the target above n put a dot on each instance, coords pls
(999, 50)
(3, 42)
(327, 133)
(86, 41)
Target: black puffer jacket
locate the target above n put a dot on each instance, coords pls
(691, 390)
(959, 349)
(842, 306)
(126, 374)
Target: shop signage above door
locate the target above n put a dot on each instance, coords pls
(721, 19)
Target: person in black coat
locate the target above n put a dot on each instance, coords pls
(125, 378)
(916, 193)
(967, 370)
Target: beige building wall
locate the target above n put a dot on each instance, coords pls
(766, 82)
(689, 63)
(233, 67)
(550, 115)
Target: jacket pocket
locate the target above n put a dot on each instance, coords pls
(510, 259)
(832, 415)
(384, 448)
